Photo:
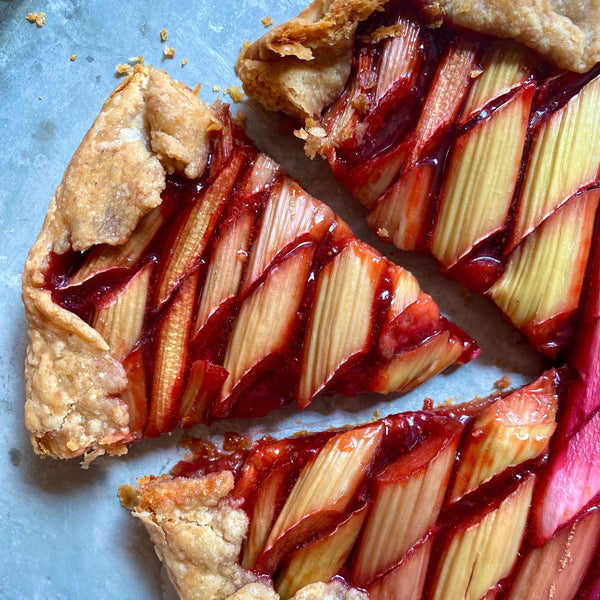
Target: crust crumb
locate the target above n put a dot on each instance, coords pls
(39, 18)
(235, 92)
(169, 52)
(184, 62)
(164, 34)
(73, 57)
(267, 21)
(216, 88)
(196, 90)
(124, 69)
(136, 60)
(504, 382)
(381, 33)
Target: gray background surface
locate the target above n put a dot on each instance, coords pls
(63, 534)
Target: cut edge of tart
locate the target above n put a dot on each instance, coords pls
(179, 273)
(427, 504)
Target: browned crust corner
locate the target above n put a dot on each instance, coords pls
(301, 66)
(149, 125)
(198, 530)
(566, 32)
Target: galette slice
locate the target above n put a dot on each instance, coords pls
(431, 504)
(463, 145)
(180, 277)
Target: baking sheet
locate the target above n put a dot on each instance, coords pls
(63, 533)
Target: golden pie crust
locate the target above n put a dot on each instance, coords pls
(301, 66)
(198, 531)
(150, 125)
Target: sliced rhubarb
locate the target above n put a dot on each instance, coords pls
(544, 275)
(105, 258)
(511, 431)
(477, 557)
(407, 579)
(556, 569)
(291, 213)
(241, 293)
(407, 499)
(266, 320)
(399, 60)
(323, 491)
(465, 146)
(400, 215)
(572, 480)
(446, 94)
(322, 559)
(120, 322)
(341, 323)
(372, 504)
(565, 158)
(171, 356)
(480, 180)
(504, 68)
(226, 266)
(193, 235)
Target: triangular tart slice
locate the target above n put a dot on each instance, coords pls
(463, 145)
(430, 504)
(180, 276)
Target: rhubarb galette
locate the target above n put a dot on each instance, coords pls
(446, 504)
(470, 147)
(180, 276)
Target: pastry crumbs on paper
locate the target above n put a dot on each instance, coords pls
(216, 88)
(504, 382)
(169, 52)
(39, 18)
(197, 88)
(267, 21)
(124, 69)
(376, 414)
(235, 92)
(73, 57)
(184, 62)
(164, 34)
